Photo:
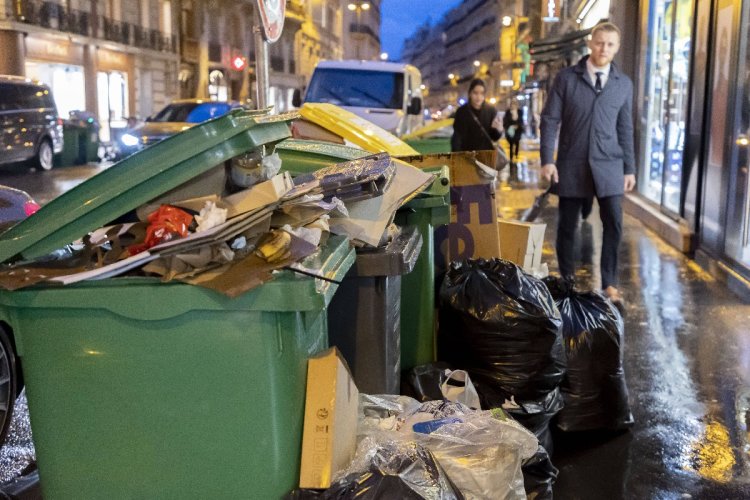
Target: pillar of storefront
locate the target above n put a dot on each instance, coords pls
(12, 57)
(90, 68)
(201, 91)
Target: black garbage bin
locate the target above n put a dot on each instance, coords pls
(364, 317)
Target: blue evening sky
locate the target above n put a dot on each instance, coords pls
(400, 18)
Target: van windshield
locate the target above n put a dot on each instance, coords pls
(360, 88)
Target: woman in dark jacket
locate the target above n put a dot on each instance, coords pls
(475, 125)
(513, 125)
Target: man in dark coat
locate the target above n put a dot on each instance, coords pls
(591, 106)
(476, 124)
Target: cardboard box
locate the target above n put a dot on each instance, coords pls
(473, 231)
(330, 431)
(522, 242)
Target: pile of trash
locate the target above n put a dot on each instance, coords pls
(232, 241)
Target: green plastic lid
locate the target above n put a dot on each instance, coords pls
(140, 178)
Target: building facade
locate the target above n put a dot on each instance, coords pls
(362, 29)
(115, 59)
(320, 36)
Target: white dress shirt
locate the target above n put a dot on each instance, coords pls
(594, 69)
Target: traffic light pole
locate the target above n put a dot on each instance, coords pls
(261, 63)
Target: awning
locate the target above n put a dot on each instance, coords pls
(559, 46)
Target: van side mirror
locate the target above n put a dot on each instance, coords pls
(297, 98)
(415, 107)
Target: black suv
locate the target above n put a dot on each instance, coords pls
(29, 126)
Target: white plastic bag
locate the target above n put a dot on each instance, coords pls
(465, 394)
(483, 455)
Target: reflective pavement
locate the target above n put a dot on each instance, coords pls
(687, 362)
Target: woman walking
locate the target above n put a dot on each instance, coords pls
(513, 125)
(475, 125)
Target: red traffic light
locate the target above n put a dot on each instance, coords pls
(239, 63)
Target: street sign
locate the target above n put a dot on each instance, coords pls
(272, 15)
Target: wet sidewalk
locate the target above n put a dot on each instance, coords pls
(687, 362)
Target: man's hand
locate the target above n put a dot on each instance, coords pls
(549, 173)
(629, 182)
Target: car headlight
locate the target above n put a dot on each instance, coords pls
(129, 140)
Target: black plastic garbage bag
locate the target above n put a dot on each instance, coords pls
(539, 476)
(596, 396)
(423, 382)
(403, 470)
(503, 327)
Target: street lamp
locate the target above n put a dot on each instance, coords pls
(507, 21)
(358, 7)
(477, 64)
(384, 56)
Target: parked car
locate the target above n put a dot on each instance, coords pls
(30, 128)
(15, 205)
(176, 117)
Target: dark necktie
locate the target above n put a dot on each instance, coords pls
(598, 84)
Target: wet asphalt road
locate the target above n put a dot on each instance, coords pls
(45, 186)
(687, 362)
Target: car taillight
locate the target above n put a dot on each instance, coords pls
(31, 207)
(60, 121)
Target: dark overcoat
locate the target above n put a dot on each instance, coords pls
(595, 147)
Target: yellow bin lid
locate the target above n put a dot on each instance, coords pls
(355, 129)
(428, 129)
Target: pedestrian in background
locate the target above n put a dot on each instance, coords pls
(513, 124)
(590, 104)
(476, 125)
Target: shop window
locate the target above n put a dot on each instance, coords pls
(665, 95)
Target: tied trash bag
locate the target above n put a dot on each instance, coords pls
(539, 475)
(594, 389)
(503, 327)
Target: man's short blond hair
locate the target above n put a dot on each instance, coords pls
(606, 28)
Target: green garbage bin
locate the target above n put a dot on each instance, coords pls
(90, 146)
(73, 133)
(432, 145)
(140, 389)
(299, 156)
(428, 211)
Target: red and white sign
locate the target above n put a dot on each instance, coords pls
(272, 15)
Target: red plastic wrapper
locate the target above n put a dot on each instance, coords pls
(166, 223)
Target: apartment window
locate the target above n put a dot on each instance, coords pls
(166, 17)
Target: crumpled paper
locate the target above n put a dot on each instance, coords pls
(210, 216)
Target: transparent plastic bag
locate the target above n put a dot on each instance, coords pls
(388, 468)
(483, 455)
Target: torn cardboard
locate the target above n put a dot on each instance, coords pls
(522, 242)
(472, 232)
(330, 430)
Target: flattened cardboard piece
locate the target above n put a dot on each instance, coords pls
(522, 242)
(330, 430)
(258, 196)
(369, 219)
(304, 129)
(473, 231)
(242, 276)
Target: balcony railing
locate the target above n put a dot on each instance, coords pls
(59, 17)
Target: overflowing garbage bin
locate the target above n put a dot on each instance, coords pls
(427, 211)
(165, 390)
(365, 316)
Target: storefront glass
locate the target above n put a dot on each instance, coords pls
(66, 82)
(112, 89)
(737, 239)
(665, 101)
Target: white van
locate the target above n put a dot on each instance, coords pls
(387, 94)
